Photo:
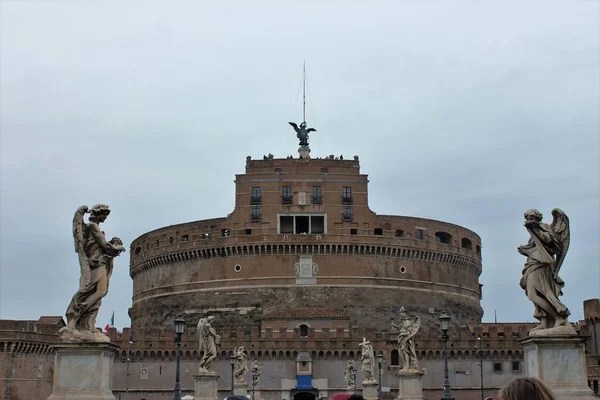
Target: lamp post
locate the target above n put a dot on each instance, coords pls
(480, 349)
(253, 371)
(353, 371)
(128, 360)
(232, 362)
(444, 324)
(179, 328)
(379, 364)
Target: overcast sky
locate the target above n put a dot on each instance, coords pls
(466, 112)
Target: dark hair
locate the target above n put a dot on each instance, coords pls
(526, 389)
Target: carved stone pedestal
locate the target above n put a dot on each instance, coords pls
(304, 151)
(240, 389)
(370, 390)
(83, 371)
(559, 361)
(205, 386)
(409, 386)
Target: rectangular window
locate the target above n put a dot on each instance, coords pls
(353, 231)
(248, 231)
(302, 225)
(286, 224)
(171, 240)
(317, 197)
(497, 367)
(420, 234)
(185, 238)
(347, 194)
(347, 214)
(516, 365)
(286, 195)
(256, 195)
(255, 216)
(317, 224)
(378, 232)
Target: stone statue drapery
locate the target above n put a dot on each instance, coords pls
(241, 365)
(407, 329)
(349, 374)
(209, 340)
(368, 362)
(545, 252)
(96, 261)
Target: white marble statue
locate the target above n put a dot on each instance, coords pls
(349, 374)
(368, 362)
(545, 252)
(407, 329)
(241, 365)
(209, 340)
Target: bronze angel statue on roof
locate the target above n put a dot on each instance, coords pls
(302, 132)
(545, 252)
(96, 256)
(407, 329)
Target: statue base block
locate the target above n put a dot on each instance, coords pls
(205, 386)
(558, 361)
(240, 389)
(370, 390)
(304, 152)
(83, 371)
(410, 386)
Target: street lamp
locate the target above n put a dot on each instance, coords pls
(353, 371)
(179, 328)
(379, 364)
(232, 362)
(480, 349)
(444, 324)
(128, 360)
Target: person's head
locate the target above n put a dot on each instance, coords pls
(99, 213)
(526, 388)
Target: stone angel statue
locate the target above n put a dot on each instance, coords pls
(350, 374)
(256, 373)
(96, 261)
(241, 365)
(368, 362)
(209, 340)
(302, 132)
(545, 252)
(407, 329)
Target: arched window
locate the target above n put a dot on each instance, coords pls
(466, 243)
(443, 237)
(303, 330)
(395, 357)
(138, 250)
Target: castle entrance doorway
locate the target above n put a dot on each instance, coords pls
(305, 396)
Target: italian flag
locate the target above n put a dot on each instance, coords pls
(112, 322)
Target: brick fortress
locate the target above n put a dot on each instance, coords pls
(301, 269)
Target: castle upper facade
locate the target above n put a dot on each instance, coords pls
(302, 235)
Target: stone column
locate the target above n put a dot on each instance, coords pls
(410, 386)
(370, 390)
(83, 371)
(559, 361)
(205, 386)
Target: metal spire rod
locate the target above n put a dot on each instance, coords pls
(304, 92)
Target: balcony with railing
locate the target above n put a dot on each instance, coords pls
(347, 200)
(255, 199)
(286, 199)
(317, 199)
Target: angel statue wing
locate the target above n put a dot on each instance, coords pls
(294, 126)
(311, 130)
(562, 233)
(415, 325)
(78, 233)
